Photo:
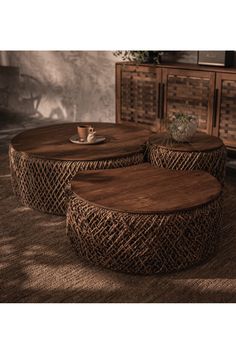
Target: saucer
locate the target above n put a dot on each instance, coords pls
(75, 139)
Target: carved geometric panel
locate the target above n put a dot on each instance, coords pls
(139, 96)
(189, 94)
(227, 128)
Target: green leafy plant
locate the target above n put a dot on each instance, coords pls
(140, 56)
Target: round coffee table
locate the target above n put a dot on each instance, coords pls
(146, 220)
(204, 152)
(43, 160)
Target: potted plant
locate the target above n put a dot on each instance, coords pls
(182, 126)
(140, 56)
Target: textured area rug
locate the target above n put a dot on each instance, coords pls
(38, 264)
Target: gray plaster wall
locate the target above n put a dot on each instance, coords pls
(72, 85)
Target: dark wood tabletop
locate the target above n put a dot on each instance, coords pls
(146, 189)
(199, 142)
(52, 142)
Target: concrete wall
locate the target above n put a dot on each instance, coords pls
(72, 85)
(180, 57)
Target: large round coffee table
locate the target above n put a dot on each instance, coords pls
(146, 220)
(43, 160)
(203, 152)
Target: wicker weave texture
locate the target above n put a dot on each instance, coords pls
(143, 243)
(212, 162)
(41, 184)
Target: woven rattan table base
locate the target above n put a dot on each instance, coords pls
(143, 243)
(212, 161)
(41, 184)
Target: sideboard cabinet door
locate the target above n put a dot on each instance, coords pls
(189, 92)
(225, 123)
(137, 94)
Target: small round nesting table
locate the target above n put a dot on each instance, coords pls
(43, 160)
(203, 152)
(146, 220)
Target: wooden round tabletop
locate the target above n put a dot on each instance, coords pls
(146, 189)
(199, 142)
(52, 142)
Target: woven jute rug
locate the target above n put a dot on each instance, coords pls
(38, 263)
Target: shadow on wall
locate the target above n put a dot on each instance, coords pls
(180, 57)
(69, 85)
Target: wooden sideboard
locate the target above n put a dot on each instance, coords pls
(147, 94)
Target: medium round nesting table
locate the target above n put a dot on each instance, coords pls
(203, 152)
(146, 220)
(43, 160)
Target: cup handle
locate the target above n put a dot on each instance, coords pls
(91, 130)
